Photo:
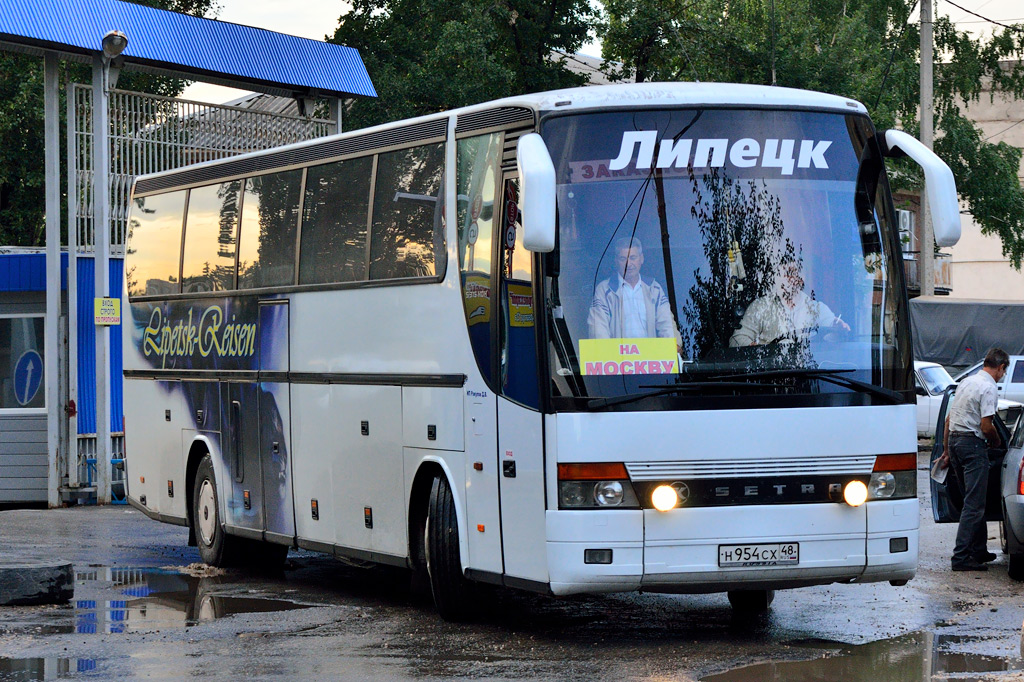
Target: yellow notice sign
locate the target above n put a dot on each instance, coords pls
(520, 305)
(628, 356)
(108, 311)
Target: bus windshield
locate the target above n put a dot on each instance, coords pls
(747, 253)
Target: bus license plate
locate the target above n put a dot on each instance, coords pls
(780, 554)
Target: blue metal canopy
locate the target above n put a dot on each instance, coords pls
(185, 46)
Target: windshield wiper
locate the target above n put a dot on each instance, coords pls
(833, 376)
(598, 403)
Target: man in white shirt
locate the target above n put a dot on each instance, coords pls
(625, 306)
(968, 434)
(786, 313)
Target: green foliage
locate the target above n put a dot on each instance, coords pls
(426, 57)
(22, 191)
(842, 47)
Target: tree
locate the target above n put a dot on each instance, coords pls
(426, 57)
(842, 47)
(22, 190)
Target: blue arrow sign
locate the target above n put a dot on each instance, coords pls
(28, 377)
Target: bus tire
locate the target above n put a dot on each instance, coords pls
(751, 601)
(453, 594)
(216, 548)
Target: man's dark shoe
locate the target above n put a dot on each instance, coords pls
(985, 557)
(970, 566)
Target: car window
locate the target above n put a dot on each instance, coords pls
(1018, 373)
(935, 379)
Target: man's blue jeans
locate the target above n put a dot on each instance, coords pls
(968, 456)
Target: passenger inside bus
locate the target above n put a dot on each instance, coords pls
(626, 306)
(786, 313)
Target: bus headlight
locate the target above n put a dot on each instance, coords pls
(608, 493)
(882, 485)
(855, 493)
(595, 486)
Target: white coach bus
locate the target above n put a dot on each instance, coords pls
(637, 337)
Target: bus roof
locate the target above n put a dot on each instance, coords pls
(604, 97)
(676, 94)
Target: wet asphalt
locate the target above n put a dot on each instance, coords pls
(144, 608)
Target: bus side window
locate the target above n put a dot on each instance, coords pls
(154, 240)
(405, 208)
(519, 369)
(210, 237)
(334, 219)
(476, 180)
(266, 245)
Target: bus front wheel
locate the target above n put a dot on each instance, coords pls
(751, 601)
(453, 594)
(216, 548)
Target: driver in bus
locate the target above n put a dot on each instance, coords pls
(786, 313)
(626, 306)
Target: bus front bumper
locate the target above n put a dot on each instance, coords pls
(678, 551)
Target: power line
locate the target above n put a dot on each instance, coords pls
(892, 55)
(991, 21)
(1003, 131)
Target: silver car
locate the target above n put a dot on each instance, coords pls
(1005, 502)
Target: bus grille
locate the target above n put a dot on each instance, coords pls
(661, 471)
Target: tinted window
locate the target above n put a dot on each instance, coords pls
(210, 237)
(270, 211)
(406, 238)
(154, 244)
(334, 222)
(21, 362)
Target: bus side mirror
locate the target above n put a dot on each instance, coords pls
(939, 183)
(536, 193)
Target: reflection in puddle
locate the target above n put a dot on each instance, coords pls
(26, 669)
(156, 598)
(917, 656)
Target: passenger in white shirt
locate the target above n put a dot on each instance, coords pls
(785, 313)
(626, 306)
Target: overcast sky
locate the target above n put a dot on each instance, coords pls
(316, 19)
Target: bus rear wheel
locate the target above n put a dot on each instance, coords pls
(751, 601)
(216, 547)
(453, 594)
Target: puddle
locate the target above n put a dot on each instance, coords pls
(26, 669)
(154, 598)
(916, 656)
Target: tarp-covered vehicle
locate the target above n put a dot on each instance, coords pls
(1005, 502)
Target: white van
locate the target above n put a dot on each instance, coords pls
(932, 380)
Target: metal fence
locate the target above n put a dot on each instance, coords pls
(149, 134)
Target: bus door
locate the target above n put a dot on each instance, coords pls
(240, 443)
(275, 421)
(520, 432)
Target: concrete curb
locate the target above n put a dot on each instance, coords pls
(31, 583)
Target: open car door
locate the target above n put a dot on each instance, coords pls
(947, 497)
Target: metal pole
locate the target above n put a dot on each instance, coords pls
(51, 344)
(101, 230)
(336, 107)
(927, 255)
(73, 207)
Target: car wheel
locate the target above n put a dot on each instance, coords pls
(453, 594)
(216, 547)
(1002, 533)
(751, 601)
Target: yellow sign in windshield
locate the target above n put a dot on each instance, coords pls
(608, 357)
